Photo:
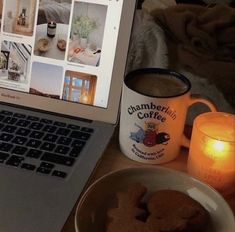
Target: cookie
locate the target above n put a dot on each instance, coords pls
(126, 217)
(173, 211)
(164, 211)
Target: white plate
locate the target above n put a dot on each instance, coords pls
(100, 196)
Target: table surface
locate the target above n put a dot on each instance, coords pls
(114, 159)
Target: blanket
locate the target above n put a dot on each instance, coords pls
(205, 39)
(147, 47)
(55, 11)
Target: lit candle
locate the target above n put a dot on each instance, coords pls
(212, 151)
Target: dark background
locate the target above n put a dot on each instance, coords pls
(198, 2)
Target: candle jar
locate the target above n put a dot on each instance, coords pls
(51, 29)
(212, 151)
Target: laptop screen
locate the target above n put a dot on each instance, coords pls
(61, 55)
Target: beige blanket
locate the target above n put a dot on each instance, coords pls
(205, 38)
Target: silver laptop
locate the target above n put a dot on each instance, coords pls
(61, 69)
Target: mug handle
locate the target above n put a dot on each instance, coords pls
(197, 98)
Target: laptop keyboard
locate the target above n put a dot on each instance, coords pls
(40, 145)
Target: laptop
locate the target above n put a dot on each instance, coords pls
(61, 69)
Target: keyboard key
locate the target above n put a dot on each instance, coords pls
(78, 143)
(48, 146)
(22, 131)
(3, 156)
(19, 140)
(10, 120)
(22, 123)
(47, 165)
(19, 150)
(44, 170)
(64, 141)
(9, 129)
(87, 129)
(63, 131)
(2, 117)
(27, 166)
(73, 127)
(34, 153)
(77, 148)
(75, 152)
(6, 137)
(59, 174)
(14, 160)
(60, 124)
(5, 112)
(36, 126)
(5, 146)
(46, 121)
(36, 134)
(49, 128)
(58, 159)
(34, 143)
(80, 135)
(18, 115)
(32, 118)
(50, 137)
(1, 125)
(62, 149)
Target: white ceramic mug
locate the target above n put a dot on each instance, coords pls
(153, 113)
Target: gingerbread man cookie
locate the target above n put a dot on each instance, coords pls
(126, 217)
(165, 211)
(174, 211)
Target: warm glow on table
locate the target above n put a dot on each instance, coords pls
(212, 150)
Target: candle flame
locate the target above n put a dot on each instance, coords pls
(217, 148)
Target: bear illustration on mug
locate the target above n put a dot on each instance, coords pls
(150, 136)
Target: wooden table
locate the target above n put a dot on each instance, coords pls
(113, 159)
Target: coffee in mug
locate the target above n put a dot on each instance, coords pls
(153, 114)
(165, 86)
